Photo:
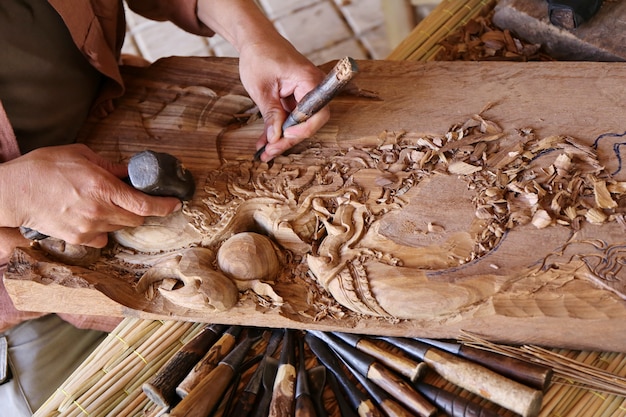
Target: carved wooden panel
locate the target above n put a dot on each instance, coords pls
(440, 198)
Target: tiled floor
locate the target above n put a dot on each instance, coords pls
(323, 30)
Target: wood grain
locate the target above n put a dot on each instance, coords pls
(191, 107)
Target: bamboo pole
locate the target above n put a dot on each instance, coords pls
(443, 20)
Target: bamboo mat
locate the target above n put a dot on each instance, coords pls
(108, 382)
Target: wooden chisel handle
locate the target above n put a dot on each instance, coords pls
(206, 395)
(345, 69)
(451, 404)
(216, 353)
(401, 364)
(531, 374)
(401, 390)
(481, 381)
(305, 407)
(161, 389)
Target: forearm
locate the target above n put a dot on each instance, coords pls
(180, 12)
(240, 22)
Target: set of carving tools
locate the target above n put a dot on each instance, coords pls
(233, 371)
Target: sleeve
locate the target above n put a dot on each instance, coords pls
(8, 143)
(183, 13)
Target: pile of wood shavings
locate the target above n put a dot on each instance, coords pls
(481, 40)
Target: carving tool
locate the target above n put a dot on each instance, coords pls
(358, 400)
(269, 376)
(205, 396)
(161, 389)
(284, 384)
(453, 405)
(345, 409)
(215, 354)
(401, 364)
(317, 383)
(248, 397)
(304, 402)
(531, 374)
(475, 378)
(345, 69)
(386, 402)
(154, 173)
(380, 375)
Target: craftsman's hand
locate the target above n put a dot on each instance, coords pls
(274, 73)
(277, 77)
(71, 193)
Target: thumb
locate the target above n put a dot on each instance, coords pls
(273, 118)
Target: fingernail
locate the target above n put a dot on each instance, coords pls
(178, 206)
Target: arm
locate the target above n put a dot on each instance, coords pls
(273, 72)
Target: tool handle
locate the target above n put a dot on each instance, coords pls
(244, 405)
(405, 366)
(451, 404)
(304, 407)
(216, 353)
(328, 358)
(206, 395)
(527, 373)
(400, 390)
(481, 381)
(284, 390)
(161, 389)
(345, 69)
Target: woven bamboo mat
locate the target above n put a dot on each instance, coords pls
(109, 382)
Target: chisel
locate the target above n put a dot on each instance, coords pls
(215, 354)
(380, 375)
(401, 364)
(531, 374)
(313, 101)
(451, 404)
(386, 402)
(473, 377)
(247, 398)
(284, 384)
(207, 394)
(358, 399)
(161, 389)
(304, 402)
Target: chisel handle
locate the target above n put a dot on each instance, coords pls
(205, 396)
(481, 381)
(216, 353)
(527, 373)
(161, 389)
(451, 404)
(305, 407)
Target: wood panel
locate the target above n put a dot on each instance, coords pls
(402, 263)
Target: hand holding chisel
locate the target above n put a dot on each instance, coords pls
(320, 96)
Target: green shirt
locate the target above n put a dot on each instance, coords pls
(46, 85)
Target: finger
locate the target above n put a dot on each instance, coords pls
(120, 170)
(143, 205)
(296, 134)
(99, 241)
